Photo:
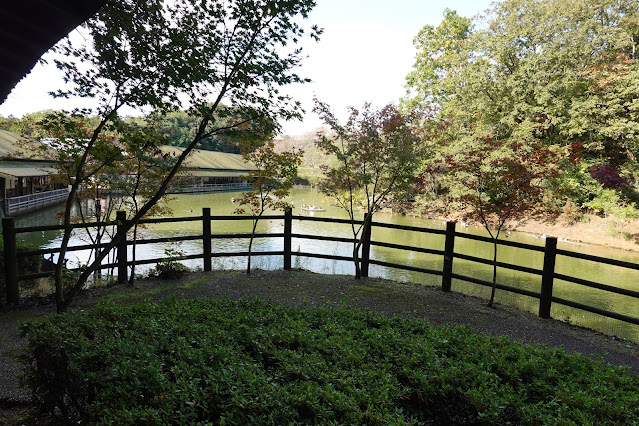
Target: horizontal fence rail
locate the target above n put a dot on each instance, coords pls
(212, 187)
(547, 273)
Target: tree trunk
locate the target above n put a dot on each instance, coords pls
(133, 248)
(494, 287)
(248, 263)
(358, 270)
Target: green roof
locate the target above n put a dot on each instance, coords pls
(9, 147)
(25, 169)
(208, 160)
(18, 162)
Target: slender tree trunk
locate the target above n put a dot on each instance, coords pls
(135, 239)
(494, 287)
(248, 264)
(358, 270)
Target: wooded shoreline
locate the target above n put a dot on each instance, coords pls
(594, 230)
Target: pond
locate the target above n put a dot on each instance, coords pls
(221, 204)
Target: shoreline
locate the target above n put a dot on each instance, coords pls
(597, 231)
(611, 232)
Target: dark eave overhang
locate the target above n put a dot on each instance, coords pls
(28, 28)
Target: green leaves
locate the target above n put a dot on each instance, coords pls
(271, 181)
(549, 73)
(162, 56)
(377, 152)
(251, 362)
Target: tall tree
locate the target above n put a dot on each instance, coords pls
(165, 55)
(377, 153)
(437, 59)
(559, 72)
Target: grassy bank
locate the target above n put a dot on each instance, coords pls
(252, 362)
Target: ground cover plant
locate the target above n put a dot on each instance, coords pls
(252, 362)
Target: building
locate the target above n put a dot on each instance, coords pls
(26, 181)
(208, 171)
(26, 178)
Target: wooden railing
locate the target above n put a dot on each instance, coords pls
(212, 187)
(547, 273)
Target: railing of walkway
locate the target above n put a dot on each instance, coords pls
(29, 202)
(217, 187)
(546, 273)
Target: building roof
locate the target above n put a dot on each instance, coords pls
(16, 161)
(10, 147)
(16, 169)
(30, 28)
(208, 160)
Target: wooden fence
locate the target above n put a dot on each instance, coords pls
(547, 274)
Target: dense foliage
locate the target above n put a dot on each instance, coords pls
(560, 74)
(250, 362)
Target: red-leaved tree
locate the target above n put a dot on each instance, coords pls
(376, 155)
(495, 182)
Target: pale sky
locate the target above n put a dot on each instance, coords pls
(363, 56)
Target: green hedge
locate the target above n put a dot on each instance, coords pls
(26, 265)
(250, 362)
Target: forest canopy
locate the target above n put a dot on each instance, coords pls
(178, 128)
(558, 74)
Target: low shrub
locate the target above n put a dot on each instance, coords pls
(250, 362)
(169, 268)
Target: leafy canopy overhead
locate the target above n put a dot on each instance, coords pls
(554, 70)
(186, 53)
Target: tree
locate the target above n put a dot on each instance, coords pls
(160, 55)
(437, 58)
(376, 152)
(496, 182)
(182, 125)
(557, 72)
(143, 166)
(271, 181)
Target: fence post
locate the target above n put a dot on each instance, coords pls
(120, 218)
(366, 245)
(10, 260)
(550, 254)
(288, 230)
(449, 253)
(206, 237)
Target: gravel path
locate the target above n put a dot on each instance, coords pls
(302, 288)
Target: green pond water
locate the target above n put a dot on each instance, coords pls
(221, 204)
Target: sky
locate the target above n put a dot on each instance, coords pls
(364, 55)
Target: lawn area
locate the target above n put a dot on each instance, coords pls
(247, 361)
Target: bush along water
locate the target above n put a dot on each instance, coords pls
(250, 362)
